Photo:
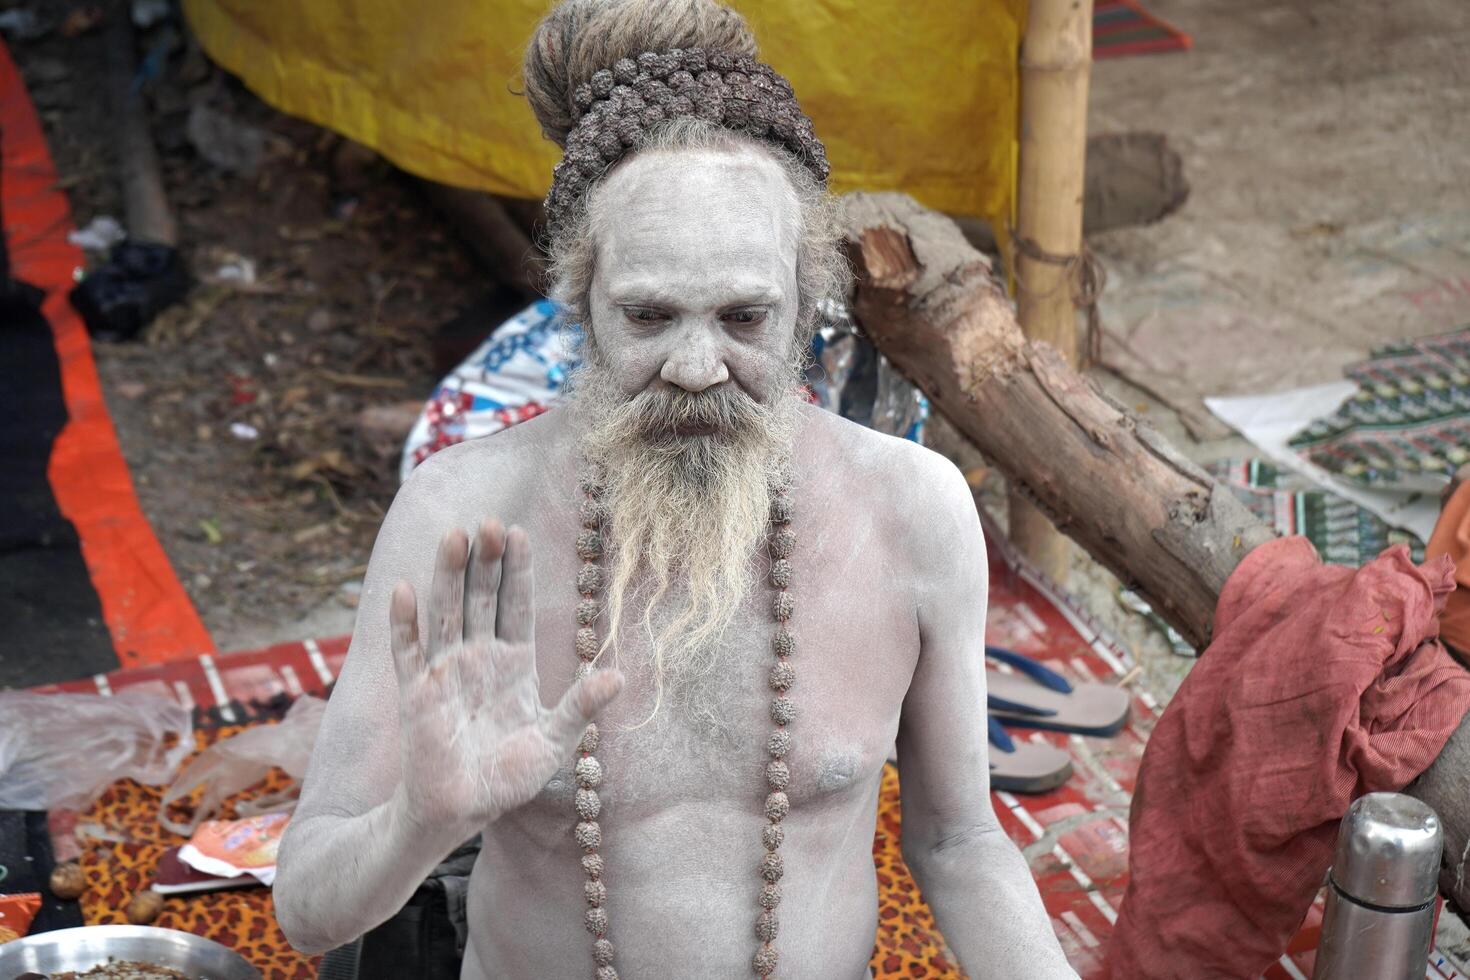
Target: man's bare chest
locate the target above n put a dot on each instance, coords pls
(704, 742)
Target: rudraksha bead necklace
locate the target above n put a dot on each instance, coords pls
(587, 772)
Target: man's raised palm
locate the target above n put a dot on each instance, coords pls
(475, 739)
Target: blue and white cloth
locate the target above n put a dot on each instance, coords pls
(516, 374)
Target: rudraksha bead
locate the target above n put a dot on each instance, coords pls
(781, 510)
(771, 867)
(588, 835)
(589, 545)
(781, 573)
(783, 675)
(625, 70)
(783, 711)
(591, 737)
(588, 804)
(777, 805)
(588, 772)
(595, 891)
(607, 144)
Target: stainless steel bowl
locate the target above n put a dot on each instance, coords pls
(82, 949)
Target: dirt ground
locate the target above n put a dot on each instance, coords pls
(1324, 143)
(342, 274)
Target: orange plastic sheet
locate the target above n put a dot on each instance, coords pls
(148, 614)
(913, 97)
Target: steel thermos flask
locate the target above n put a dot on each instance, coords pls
(1381, 891)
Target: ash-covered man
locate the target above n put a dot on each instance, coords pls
(751, 598)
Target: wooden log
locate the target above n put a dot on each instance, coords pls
(929, 302)
(146, 211)
(1056, 60)
(481, 219)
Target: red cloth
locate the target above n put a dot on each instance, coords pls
(1323, 683)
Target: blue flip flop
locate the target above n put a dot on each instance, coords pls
(1035, 696)
(1024, 767)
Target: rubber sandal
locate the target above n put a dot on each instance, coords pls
(1024, 767)
(1038, 697)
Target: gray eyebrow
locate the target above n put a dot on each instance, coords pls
(740, 294)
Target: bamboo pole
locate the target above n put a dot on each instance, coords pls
(1056, 59)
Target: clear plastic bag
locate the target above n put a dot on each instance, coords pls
(850, 377)
(60, 751)
(241, 761)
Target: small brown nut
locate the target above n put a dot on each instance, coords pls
(67, 880)
(144, 908)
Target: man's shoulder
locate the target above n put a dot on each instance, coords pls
(494, 471)
(918, 501)
(899, 471)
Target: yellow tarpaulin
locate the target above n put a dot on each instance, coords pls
(913, 96)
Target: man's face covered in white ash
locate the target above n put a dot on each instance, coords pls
(688, 394)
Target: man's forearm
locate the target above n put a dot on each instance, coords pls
(987, 907)
(338, 877)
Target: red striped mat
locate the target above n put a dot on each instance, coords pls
(1123, 27)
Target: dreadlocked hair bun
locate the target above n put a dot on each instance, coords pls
(579, 37)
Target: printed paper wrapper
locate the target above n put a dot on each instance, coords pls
(16, 913)
(228, 848)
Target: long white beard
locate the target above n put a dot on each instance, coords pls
(685, 517)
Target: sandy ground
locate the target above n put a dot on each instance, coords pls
(1325, 144)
